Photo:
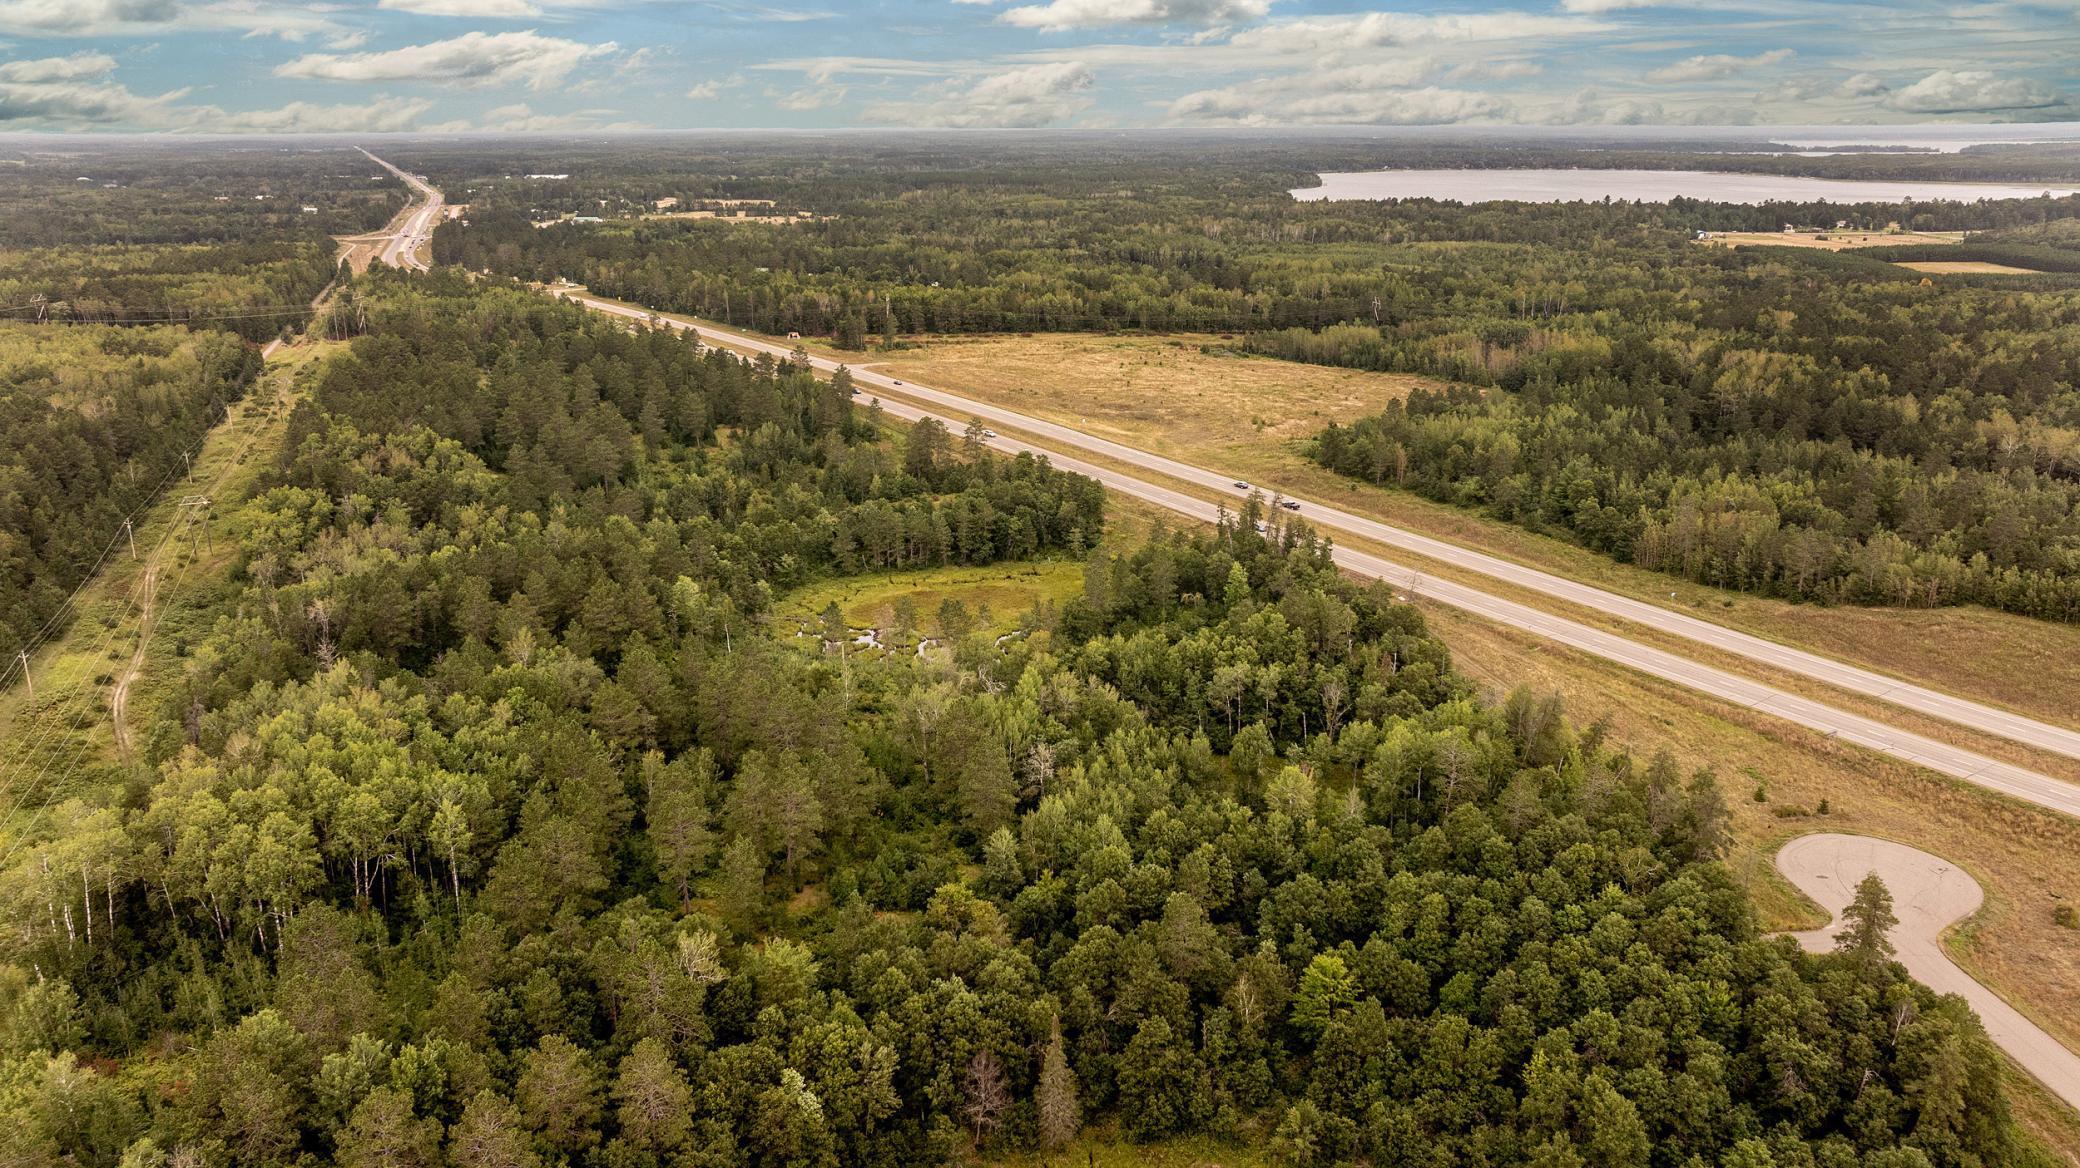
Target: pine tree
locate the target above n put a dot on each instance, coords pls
(743, 891)
(1061, 1117)
(1869, 918)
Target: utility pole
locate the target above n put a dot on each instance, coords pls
(132, 533)
(190, 464)
(199, 516)
(27, 681)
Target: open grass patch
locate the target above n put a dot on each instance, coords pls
(997, 598)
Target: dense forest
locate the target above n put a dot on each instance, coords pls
(179, 191)
(1828, 428)
(93, 423)
(1796, 422)
(491, 825)
(252, 289)
(1160, 233)
(94, 420)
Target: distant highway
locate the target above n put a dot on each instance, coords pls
(416, 229)
(2019, 782)
(912, 402)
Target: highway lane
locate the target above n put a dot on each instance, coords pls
(1929, 894)
(419, 222)
(1854, 679)
(1993, 774)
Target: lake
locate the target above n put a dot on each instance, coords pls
(1650, 186)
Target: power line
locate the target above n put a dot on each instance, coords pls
(49, 627)
(171, 319)
(81, 696)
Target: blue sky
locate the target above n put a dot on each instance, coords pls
(563, 65)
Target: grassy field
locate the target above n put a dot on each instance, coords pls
(1967, 268)
(1134, 388)
(1831, 240)
(999, 596)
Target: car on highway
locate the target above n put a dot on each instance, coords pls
(1291, 504)
(1240, 485)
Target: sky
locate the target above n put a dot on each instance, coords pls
(368, 66)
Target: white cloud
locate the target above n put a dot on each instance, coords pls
(520, 119)
(84, 17)
(1963, 91)
(1600, 6)
(1495, 70)
(1380, 94)
(1864, 85)
(823, 70)
(712, 88)
(1022, 98)
(1324, 34)
(1714, 66)
(50, 69)
(1058, 15)
(814, 97)
(78, 91)
(474, 58)
(104, 18)
(1589, 108)
(474, 9)
(384, 115)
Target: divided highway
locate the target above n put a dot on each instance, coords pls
(1994, 774)
(416, 227)
(912, 402)
(1978, 716)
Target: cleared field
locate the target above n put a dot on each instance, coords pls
(1830, 240)
(1139, 388)
(1968, 267)
(1253, 416)
(997, 596)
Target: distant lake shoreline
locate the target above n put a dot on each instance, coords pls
(1550, 185)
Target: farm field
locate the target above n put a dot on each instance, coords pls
(1831, 240)
(1967, 267)
(1143, 389)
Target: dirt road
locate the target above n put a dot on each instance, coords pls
(119, 697)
